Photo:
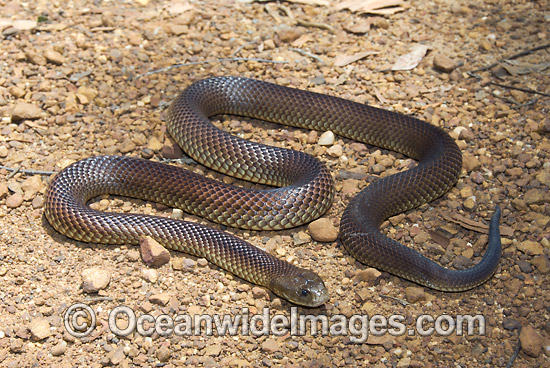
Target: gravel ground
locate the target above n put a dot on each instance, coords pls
(73, 86)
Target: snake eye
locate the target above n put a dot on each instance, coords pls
(305, 292)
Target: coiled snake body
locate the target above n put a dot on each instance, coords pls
(304, 188)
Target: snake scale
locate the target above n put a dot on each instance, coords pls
(303, 188)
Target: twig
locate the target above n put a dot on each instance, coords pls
(516, 104)
(303, 52)
(400, 301)
(515, 56)
(241, 47)
(525, 104)
(14, 172)
(526, 90)
(514, 355)
(26, 171)
(306, 23)
(98, 299)
(84, 30)
(211, 61)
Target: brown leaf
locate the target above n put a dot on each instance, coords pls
(476, 225)
(439, 238)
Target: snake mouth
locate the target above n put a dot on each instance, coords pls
(304, 288)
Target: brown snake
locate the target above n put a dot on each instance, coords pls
(304, 188)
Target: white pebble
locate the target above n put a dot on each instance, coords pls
(177, 214)
(326, 139)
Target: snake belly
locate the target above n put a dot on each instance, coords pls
(303, 188)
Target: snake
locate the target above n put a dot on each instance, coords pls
(301, 188)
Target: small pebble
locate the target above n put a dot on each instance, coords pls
(37, 202)
(54, 57)
(368, 275)
(150, 275)
(171, 151)
(335, 151)
(14, 201)
(323, 230)
(16, 346)
(35, 57)
(288, 35)
(530, 247)
(444, 63)
(415, 294)
(59, 349)
(161, 298)
(164, 354)
(40, 328)
(326, 139)
(524, 266)
(26, 111)
(94, 279)
(177, 214)
(301, 237)
(213, 350)
(271, 346)
(116, 356)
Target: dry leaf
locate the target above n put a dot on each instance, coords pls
(476, 225)
(412, 59)
(24, 25)
(520, 68)
(301, 41)
(342, 60)
(18, 25)
(180, 7)
(439, 238)
(381, 7)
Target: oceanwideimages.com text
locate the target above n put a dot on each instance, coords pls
(80, 321)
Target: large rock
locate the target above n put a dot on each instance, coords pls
(26, 111)
(152, 253)
(323, 230)
(531, 342)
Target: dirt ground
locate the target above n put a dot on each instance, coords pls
(82, 78)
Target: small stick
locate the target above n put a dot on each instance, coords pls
(515, 56)
(516, 104)
(303, 52)
(526, 90)
(98, 299)
(528, 103)
(241, 47)
(400, 301)
(26, 171)
(508, 100)
(514, 355)
(211, 61)
(14, 172)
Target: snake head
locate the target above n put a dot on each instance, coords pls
(303, 287)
